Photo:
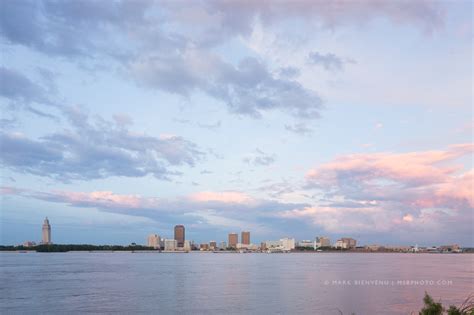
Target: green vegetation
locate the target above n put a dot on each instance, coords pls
(436, 308)
(44, 248)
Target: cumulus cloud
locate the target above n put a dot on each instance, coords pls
(134, 35)
(96, 149)
(249, 88)
(387, 191)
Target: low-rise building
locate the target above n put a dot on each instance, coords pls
(187, 246)
(204, 247)
(154, 241)
(171, 244)
(29, 244)
(212, 245)
(284, 244)
(322, 241)
(450, 248)
(346, 243)
(305, 244)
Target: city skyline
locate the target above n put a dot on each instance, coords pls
(311, 119)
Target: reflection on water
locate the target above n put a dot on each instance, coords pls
(197, 283)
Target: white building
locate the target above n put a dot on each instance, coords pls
(322, 241)
(340, 244)
(247, 246)
(306, 244)
(171, 244)
(154, 241)
(223, 245)
(346, 242)
(284, 244)
(287, 243)
(187, 245)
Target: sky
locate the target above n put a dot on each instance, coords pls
(287, 119)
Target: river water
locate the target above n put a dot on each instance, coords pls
(207, 283)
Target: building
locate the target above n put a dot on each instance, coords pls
(46, 239)
(454, 248)
(306, 244)
(187, 246)
(29, 244)
(212, 245)
(223, 245)
(154, 241)
(346, 243)
(284, 244)
(233, 240)
(179, 235)
(171, 245)
(204, 247)
(287, 243)
(322, 241)
(245, 238)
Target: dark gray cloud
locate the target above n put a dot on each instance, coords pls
(100, 149)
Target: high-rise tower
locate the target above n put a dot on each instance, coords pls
(246, 238)
(179, 235)
(46, 232)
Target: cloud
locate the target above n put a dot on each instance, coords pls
(299, 128)
(385, 191)
(236, 209)
(289, 72)
(329, 62)
(99, 149)
(260, 158)
(17, 87)
(247, 89)
(170, 47)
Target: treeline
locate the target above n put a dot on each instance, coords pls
(436, 308)
(61, 248)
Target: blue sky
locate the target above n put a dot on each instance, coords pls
(124, 118)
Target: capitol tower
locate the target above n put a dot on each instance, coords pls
(46, 232)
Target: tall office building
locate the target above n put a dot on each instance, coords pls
(246, 238)
(179, 235)
(233, 240)
(153, 241)
(46, 232)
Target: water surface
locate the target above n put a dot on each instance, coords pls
(207, 283)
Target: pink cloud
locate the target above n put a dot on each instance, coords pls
(105, 199)
(410, 189)
(409, 168)
(226, 197)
